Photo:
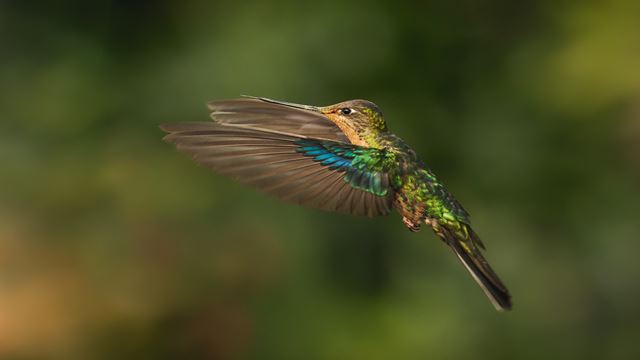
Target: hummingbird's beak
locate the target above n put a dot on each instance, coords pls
(297, 106)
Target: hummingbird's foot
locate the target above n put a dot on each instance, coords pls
(414, 227)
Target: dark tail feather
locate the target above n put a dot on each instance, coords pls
(478, 267)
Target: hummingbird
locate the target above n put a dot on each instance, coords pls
(339, 158)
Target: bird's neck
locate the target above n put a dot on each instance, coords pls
(373, 138)
(366, 137)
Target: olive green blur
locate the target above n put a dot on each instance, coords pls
(115, 246)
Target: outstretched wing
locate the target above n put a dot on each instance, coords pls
(324, 174)
(264, 115)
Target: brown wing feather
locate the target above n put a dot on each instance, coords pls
(268, 160)
(259, 114)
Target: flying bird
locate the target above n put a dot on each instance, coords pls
(339, 158)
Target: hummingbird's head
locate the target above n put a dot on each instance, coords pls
(356, 115)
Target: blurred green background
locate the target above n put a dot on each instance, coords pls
(115, 246)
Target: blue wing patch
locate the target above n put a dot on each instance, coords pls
(351, 160)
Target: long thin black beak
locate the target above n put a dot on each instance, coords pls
(298, 106)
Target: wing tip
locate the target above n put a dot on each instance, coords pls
(175, 130)
(166, 127)
(170, 134)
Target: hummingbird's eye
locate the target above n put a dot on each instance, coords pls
(346, 111)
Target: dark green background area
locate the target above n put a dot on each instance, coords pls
(115, 246)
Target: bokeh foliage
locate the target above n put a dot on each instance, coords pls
(113, 245)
